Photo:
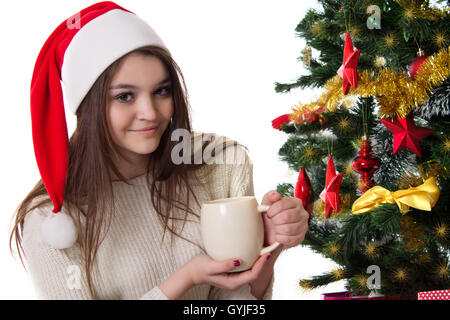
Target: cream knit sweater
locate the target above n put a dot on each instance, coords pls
(132, 261)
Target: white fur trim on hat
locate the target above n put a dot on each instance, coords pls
(97, 45)
(59, 231)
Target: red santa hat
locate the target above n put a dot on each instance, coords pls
(70, 61)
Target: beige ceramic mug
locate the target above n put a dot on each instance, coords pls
(234, 228)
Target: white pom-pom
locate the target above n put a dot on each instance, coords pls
(59, 231)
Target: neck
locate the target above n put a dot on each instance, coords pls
(132, 168)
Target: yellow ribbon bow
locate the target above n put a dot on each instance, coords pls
(423, 197)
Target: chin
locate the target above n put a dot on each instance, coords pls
(146, 149)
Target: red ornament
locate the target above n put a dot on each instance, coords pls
(415, 65)
(348, 69)
(406, 133)
(304, 191)
(330, 193)
(278, 122)
(366, 164)
(309, 115)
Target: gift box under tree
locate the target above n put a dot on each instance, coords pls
(434, 295)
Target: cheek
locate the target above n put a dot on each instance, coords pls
(117, 122)
(167, 111)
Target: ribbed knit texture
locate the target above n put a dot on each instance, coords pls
(133, 260)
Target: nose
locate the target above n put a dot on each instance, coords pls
(146, 109)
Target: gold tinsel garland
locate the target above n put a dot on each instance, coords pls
(344, 209)
(397, 94)
(418, 175)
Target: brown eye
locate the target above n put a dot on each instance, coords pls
(164, 91)
(123, 97)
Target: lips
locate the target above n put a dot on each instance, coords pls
(146, 132)
(145, 129)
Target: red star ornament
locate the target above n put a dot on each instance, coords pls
(348, 69)
(330, 194)
(406, 133)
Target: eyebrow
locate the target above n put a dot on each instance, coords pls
(130, 86)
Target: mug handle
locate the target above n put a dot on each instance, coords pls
(263, 208)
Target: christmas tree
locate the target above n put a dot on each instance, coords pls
(373, 150)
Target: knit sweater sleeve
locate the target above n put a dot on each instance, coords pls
(55, 274)
(58, 274)
(240, 175)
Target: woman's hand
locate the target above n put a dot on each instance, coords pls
(203, 269)
(286, 221)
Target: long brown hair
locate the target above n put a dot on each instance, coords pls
(89, 180)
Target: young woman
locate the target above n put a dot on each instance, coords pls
(115, 189)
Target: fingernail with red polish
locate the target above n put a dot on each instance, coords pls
(268, 256)
(236, 263)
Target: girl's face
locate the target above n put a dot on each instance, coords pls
(140, 105)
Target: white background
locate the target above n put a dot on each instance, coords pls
(230, 52)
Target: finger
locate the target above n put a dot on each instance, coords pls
(289, 229)
(259, 264)
(217, 267)
(289, 241)
(287, 216)
(281, 205)
(270, 197)
(253, 273)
